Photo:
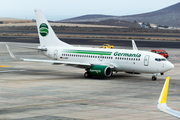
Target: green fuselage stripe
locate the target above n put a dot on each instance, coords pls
(88, 52)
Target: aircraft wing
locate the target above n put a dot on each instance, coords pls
(47, 61)
(56, 62)
(27, 47)
(161, 105)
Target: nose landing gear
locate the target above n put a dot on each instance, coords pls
(156, 74)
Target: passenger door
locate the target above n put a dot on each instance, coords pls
(56, 54)
(146, 60)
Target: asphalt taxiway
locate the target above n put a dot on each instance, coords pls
(33, 91)
(97, 41)
(95, 33)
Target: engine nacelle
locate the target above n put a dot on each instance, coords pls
(100, 70)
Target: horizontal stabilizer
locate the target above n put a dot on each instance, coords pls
(161, 105)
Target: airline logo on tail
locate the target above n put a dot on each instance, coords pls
(43, 28)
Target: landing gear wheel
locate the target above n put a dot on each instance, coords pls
(87, 75)
(154, 78)
(111, 74)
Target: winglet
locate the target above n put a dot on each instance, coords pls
(11, 54)
(134, 45)
(164, 92)
(161, 105)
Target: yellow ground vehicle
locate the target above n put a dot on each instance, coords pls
(107, 46)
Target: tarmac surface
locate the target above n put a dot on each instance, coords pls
(98, 41)
(41, 91)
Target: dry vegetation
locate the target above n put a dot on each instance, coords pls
(15, 21)
(20, 29)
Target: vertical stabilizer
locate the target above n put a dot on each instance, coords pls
(47, 37)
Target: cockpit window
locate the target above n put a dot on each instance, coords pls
(160, 59)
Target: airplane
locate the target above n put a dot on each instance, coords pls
(161, 105)
(96, 61)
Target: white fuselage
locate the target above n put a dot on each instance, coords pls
(96, 61)
(135, 61)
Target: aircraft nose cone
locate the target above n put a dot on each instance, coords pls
(170, 66)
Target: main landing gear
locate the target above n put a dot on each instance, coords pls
(154, 78)
(87, 75)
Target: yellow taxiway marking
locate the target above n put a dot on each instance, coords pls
(5, 66)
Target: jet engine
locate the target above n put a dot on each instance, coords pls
(100, 70)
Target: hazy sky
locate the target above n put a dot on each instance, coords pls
(61, 9)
